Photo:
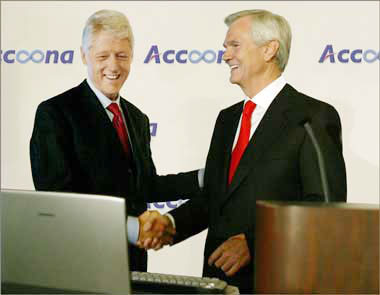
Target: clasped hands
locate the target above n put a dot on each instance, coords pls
(157, 230)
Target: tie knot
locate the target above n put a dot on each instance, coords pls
(249, 107)
(114, 108)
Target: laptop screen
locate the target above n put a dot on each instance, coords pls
(64, 241)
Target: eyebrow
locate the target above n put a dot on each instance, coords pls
(231, 42)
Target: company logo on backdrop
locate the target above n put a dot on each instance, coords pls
(183, 56)
(162, 205)
(349, 55)
(24, 56)
(153, 129)
(165, 205)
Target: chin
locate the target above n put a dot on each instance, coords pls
(110, 94)
(112, 90)
(235, 78)
(233, 81)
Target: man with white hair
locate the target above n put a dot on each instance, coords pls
(90, 140)
(259, 150)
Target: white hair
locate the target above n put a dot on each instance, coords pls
(266, 27)
(109, 21)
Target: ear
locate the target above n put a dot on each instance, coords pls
(270, 50)
(131, 51)
(83, 56)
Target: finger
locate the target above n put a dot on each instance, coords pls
(167, 241)
(147, 226)
(140, 245)
(228, 264)
(221, 261)
(163, 225)
(154, 243)
(235, 267)
(164, 242)
(158, 247)
(147, 243)
(157, 224)
(215, 255)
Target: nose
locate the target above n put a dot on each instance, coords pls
(226, 55)
(113, 63)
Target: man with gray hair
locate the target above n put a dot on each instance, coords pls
(90, 140)
(259, 150)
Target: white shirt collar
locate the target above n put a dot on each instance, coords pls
(104, 100)
(265, 97)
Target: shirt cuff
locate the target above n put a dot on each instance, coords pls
(133, 229)
(201, 174)
(171, 219)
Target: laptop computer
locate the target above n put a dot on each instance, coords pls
(63, 243)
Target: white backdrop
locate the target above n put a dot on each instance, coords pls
(185, 98)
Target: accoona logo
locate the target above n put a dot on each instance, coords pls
(346, 55)
(23, 56)
(166, 205)
(153, 129)
(183, 56)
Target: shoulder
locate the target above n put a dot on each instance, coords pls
(237, 107)
(64, 100)
(313, 107)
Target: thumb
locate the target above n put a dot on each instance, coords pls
(147, 226)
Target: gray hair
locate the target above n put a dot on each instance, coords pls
(267, 26)
(109, 21)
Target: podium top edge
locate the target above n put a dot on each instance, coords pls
(342, 205)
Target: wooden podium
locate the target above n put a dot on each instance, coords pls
(325, 248)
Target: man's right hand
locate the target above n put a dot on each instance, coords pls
(156, 230)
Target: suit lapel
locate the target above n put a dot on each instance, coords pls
(230, 123)
(99, 126)
(131, 122)
(273, 124)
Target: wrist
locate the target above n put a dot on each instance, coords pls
(170, 219)
(239, 237)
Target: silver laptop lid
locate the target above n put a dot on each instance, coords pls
(64, 241)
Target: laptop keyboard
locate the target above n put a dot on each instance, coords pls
(156, 283)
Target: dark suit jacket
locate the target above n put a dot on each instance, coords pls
(74, 147)
(279, 163)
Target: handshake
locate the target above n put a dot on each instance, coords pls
(155, 231)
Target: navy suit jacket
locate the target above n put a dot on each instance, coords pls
(279, 163)
(74, 147)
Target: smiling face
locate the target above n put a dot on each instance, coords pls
(244, 57)
(108, 62)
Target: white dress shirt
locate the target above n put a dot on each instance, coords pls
(105, 101)
(263, 100)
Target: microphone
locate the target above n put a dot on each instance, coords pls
(321, 162)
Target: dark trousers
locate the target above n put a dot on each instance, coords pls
(137, 259)
(243, 279)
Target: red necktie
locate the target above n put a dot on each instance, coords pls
(245, 130)
(119, 125)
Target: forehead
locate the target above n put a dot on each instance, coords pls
(240, 29)
(110, 39)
